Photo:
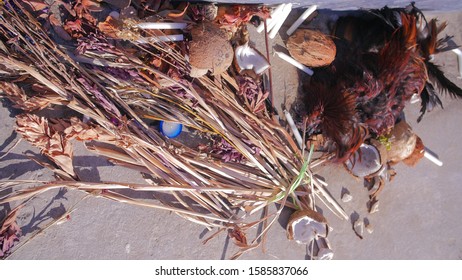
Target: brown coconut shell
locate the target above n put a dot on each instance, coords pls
(210, 48)
(417, 155)
(403, 141)
(311, 48)
(297, 215)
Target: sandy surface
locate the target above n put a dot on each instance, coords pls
(419, 217)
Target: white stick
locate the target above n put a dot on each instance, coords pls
(162, 25)
(301, 19)
(280, 20)
(294, 129)
(295, 63)
(459, 59)
(269, 22)
(166, 38)
(432, 158)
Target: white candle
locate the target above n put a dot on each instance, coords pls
(162, 25)
(432, 158)
(459, 59)
(276, 13)
(295, 63)
(280, 20)
(164, 38)
(294, 128)
(301, 19)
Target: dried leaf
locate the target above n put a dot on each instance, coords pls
(9, 232)
(83, 132)
(239, 238)
(92, 6)
(74, 28)
(57, 27)
(110, 27)
(23, 102)
(36, 5)
(37, 131)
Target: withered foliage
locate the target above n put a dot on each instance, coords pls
(120, 88)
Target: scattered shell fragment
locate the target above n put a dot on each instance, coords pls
(251, 59)
(210, 48)
(306, 225)
(346, 197)
(417, 154)
(311, 48)
(369, 228)
(358, 227)
(374, 206)
(325, 254)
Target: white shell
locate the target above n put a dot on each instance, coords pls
(249, 58)
(369, 228)
(359, 227)
(374, 207)
(365, 162)
(325, 254)
(346, 197)
(306, 229)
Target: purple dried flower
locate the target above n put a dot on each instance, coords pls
(251, 93)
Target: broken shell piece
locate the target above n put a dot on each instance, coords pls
(210, 48)
(325, 254)
(250, 59)
(373, 206)
(311, 48)
(369, 228)
(358, 227)
(417, 154)
(306, 225)
(346, 197)
(368, 161)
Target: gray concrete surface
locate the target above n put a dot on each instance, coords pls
(419, 217)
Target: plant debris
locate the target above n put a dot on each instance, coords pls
(119, 68)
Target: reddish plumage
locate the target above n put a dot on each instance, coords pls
(382, 61)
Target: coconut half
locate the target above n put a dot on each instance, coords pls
(248, 58)
(210, 48)
(306, 225)
(368, 160)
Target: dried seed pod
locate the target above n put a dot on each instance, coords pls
(210, 48)
(306, 225)
(311, 48)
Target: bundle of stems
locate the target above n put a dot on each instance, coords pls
(203, 187)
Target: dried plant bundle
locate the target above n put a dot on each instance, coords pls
(120, 93)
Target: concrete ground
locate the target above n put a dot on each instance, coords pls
(419, 216)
